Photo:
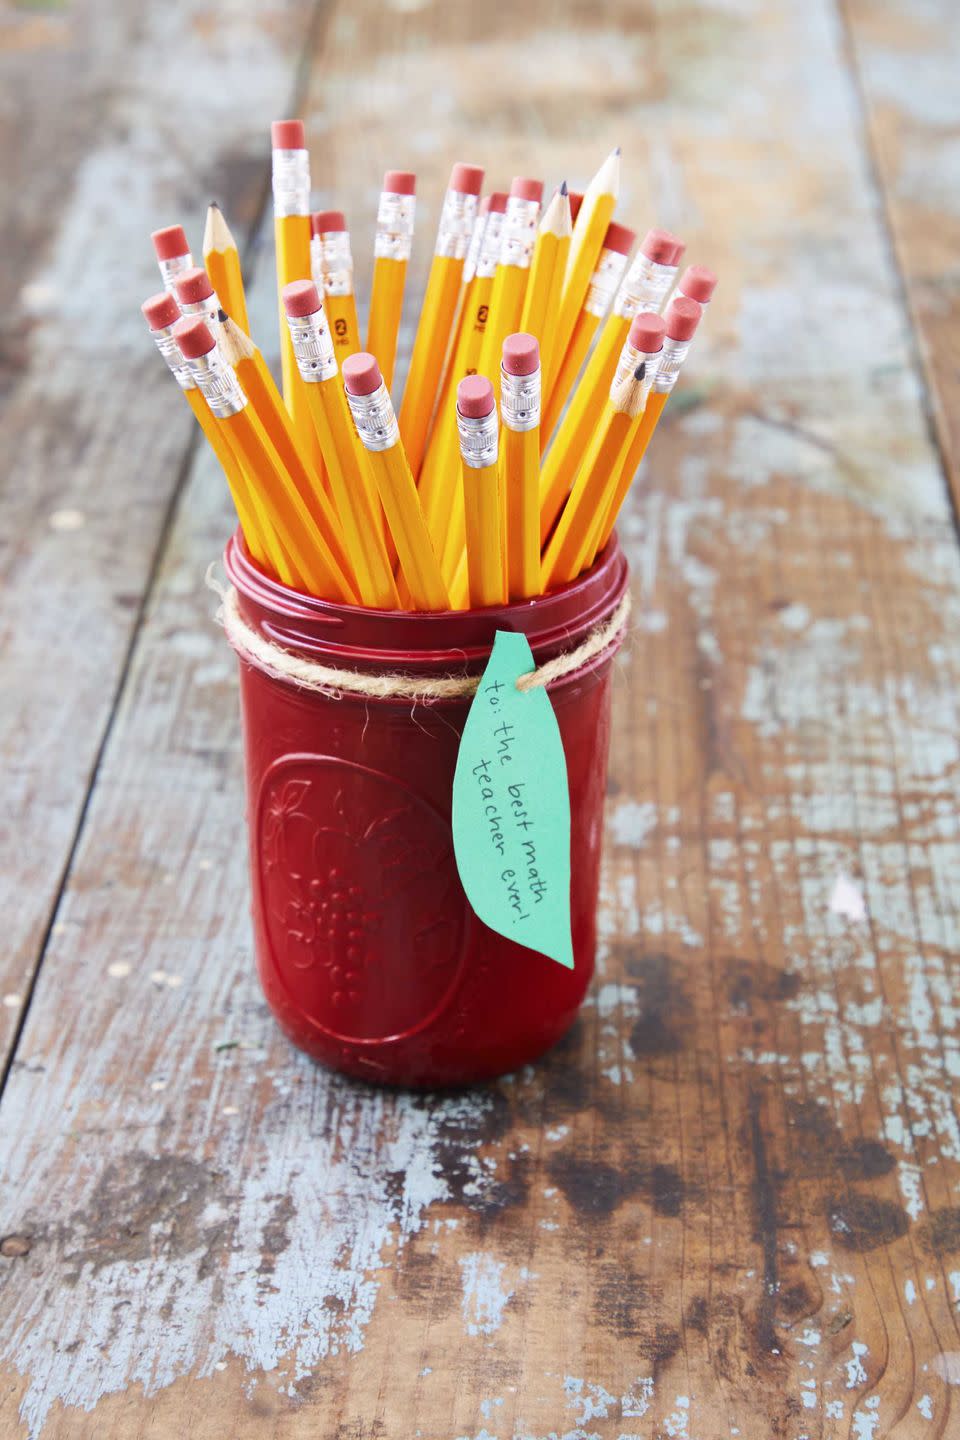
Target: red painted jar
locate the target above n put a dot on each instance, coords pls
(369, 954)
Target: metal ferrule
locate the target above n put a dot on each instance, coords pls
(208, 309)
(630, 359)
(331, 262)
(456, 225)
(313, 346)
(479, 439)
(519, 232)
(220, 386)
(170, 351)
(520, 400)
(604, 282)
(291, 182)
(489, 252)
(171, 270)
(644, 287)
(395, 215)
(473, 254)
(672, 356)
(375, 419)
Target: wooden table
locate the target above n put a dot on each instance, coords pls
(729, 1203)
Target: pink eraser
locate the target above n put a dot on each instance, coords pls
(322, 222)
(662, 248)
(160, 310)
(192, 334)
(521, 354)
(619, 238)
(170, 242)
(646, 333)
(288, 135)
(698, 283)
(466, 179)
(193, 286)
(576, 200)
(526, 189)
(475, 397)
(498, 201)
(361, 373)
(301, 297)
(682, 317)
(400, 182)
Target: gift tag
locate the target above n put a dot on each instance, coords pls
(511, 807)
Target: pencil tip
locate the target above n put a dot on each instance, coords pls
(640, 371)
(222, 316)
(563, 188)
(214, 204)
(617, 151)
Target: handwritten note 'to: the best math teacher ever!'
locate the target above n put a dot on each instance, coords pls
(511, 807)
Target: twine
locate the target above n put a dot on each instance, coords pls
(283, 664)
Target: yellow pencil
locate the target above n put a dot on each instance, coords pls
(617, 244)
(221, 260)
(478, 427)
(291, 227)
(395, 217)
(239, 351)
(520, 463)
(542, 300)
(643, 288)
(562, 560)
(593, 217)
(376, 423)
(680, 321)
(513, 271)
(439, 308)
(331, 261)
(221, 389)
(351, 481)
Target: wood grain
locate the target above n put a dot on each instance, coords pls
(727, 1204)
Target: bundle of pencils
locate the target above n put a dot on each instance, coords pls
(542, 362)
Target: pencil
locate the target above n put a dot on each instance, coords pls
(612, 261)
(593, 217)
(222, 261)
(395, 218)
(648, 278)
(562, 560)
(373, 415)
(351, 482)
(331, 261)
(291, 227)
(478, 427)
(172, 252)
(196, 296)
(542, 300)
(696, 283)
(520, 462)
(439, 308)
(513, 271)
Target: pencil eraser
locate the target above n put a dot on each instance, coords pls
(400, 182)
(576, 200)
(698, 283)
(466, 179)
(682, 317)
(498, 201)
(647, 332)
(475, 397)
(619, 238)
(160, 311)
(170, 242)
(662, 248)
(193, 286)
(301, 297)
(526, 189)
(361, 374)
(521, 354)
(288, 135)
(193, 336)
(323, 222)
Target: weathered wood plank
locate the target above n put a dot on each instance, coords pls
(907, 57)
(728, 1204)
(97, 445)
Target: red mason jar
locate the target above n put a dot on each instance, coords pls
(369, 954)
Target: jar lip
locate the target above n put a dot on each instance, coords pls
(418, 641)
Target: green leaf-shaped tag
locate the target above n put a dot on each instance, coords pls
(511, 807)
